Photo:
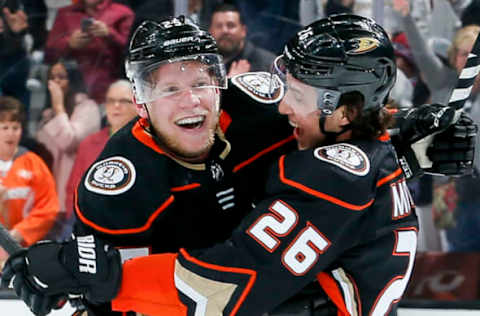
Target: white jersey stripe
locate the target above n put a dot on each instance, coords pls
(198, 298)
(347, 290)
(219, 194)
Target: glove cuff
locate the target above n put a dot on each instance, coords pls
(49, 273)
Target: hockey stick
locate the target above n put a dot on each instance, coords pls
(7, 242)
(458, 98)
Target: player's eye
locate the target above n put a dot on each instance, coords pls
(200, 84)
(170, 89)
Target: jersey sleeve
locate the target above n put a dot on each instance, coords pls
(121, 184)
(134, 295)
(251, 105)
(45, 206)
(297, 231)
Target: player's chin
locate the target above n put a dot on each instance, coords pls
(193, 151)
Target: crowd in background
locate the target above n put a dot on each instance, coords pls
(63, 91)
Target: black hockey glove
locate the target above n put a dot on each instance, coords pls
(47, 271)
(413, 125)
(452, 151)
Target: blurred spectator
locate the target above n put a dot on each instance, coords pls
(470, 15)
(14, 62)
(445, 18)
(201, 10)
(239, 54)
(271, 23)
(402, 91)
(439, 77)
(459, 6)
(52, 9)
(151, 10)
(28, 201)
(68, 118)
(464, 235)
(37, 20)
(94, 33)
(339, 6)
(406, 68)
(120, 110)
(310, 10)
(404, 56)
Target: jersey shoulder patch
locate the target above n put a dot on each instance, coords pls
(111, 176)
(262, 86)
(345, 156)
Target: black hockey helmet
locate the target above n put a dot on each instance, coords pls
(177, 39)
(339, 54)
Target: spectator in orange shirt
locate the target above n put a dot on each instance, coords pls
(120, 109)
(28, 200)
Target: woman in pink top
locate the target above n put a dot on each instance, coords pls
(70, 116)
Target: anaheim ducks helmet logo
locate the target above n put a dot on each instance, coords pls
(363, 45)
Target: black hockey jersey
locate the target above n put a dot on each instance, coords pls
(340, 213)
(139, 198)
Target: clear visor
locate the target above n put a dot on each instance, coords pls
(302, 97)
(169, 79)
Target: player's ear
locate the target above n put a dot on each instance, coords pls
(348, 114)
(141, 109)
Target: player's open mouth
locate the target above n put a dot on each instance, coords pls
(191, 122)
(293, 124)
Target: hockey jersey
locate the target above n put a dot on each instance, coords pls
(143, 200)
(341, 214)
(31, 200)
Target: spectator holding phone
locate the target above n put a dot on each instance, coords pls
(93, 33)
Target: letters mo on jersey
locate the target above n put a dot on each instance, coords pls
(402, 200)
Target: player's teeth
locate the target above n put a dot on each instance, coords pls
(191, 120)
(293, 124)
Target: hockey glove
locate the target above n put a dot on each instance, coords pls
(411, 127)
(47, 271)
(452, 151)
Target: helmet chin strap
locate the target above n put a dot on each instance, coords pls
(331, 137)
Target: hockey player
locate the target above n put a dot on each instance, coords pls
(179, 176)
(324, 212)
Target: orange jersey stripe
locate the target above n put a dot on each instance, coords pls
(263, 152)
(224, 121)
(185, 187)
(384, 137)
(391, 176)
(143, 136)
(330, 287)
(127, 230)
(318, 194)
